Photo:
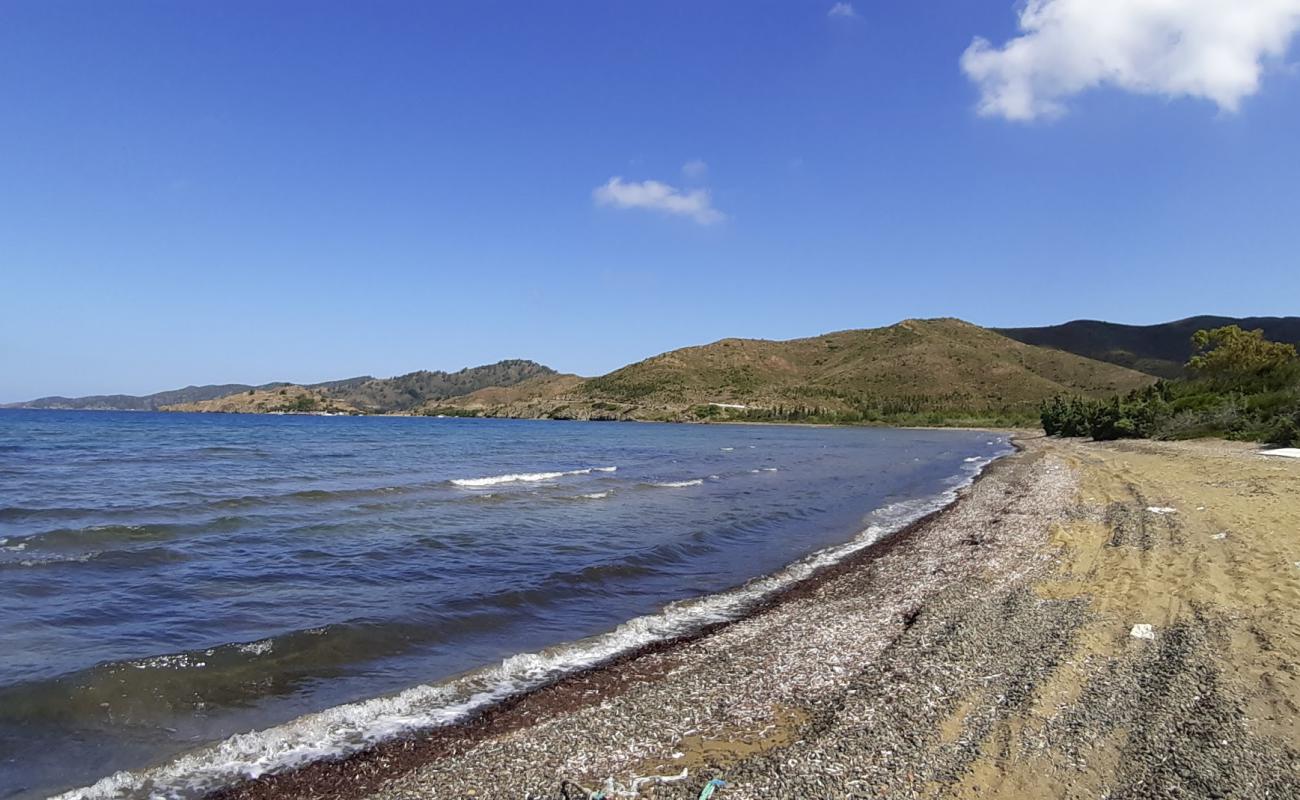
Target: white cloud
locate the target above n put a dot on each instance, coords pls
(695, 169)
(1210, 49)
(841, 10)
(696, 203)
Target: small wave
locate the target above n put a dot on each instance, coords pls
(728, 449)
(971, 459)
(45, 561)
(150, 556)
(171, 661)
(678, 484)
(259, 648)
(594, 496)
(527, 477)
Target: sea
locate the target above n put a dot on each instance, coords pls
(191, 599)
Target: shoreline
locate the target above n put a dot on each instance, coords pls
(1085, 620)
(366, 770)
(1013, 430)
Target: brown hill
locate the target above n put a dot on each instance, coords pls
(281, 400)
(532, 398)
(407, 393)
(923, 371)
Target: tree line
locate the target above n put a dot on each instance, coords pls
(1239, 385)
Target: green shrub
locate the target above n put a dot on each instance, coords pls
(1245, 387)
(1284, 431)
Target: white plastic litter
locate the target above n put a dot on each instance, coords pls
(1143, 631)
(1162, 510)
(1284, 452)
(614, 789)
(1219, 536)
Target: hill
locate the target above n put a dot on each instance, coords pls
(173, 397)
(1159, 350)
(399, 395)
(277, 400)
(148, 402)
(918, 371)
(365, 394)
(406, 393)
(527, 399)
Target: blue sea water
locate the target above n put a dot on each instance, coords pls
(170, 580)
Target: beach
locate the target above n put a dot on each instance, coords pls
(998, 648)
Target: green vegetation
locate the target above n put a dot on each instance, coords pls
(869, 414)
(1240, 386)
(302, 405)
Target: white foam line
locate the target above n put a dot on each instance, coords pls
(679, 484)
(518, 477)
(346, 729)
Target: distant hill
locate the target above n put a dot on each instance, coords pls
(365, 394)
(916, 371)
(174, 397)
(1159, 350)
(531, 398)
(413, 390)
(277, 400)
(398, 395)
(148, 402)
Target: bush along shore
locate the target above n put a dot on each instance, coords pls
(1239, 386)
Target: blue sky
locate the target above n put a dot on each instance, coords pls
(305, 190)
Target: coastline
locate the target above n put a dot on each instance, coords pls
(365, 771)
(1085, 620)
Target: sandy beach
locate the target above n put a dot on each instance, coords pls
(1088, 620)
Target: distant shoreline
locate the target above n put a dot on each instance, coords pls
(1017, 430)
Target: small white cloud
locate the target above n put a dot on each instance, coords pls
(696, 203)
(695, 169)
(842, 10)
(1210, 49)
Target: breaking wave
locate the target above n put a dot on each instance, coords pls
(526, 477)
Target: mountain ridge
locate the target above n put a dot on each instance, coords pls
(1160, 349)
(363, 393)
(915, 369)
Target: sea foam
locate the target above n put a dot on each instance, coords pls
(527, 477)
